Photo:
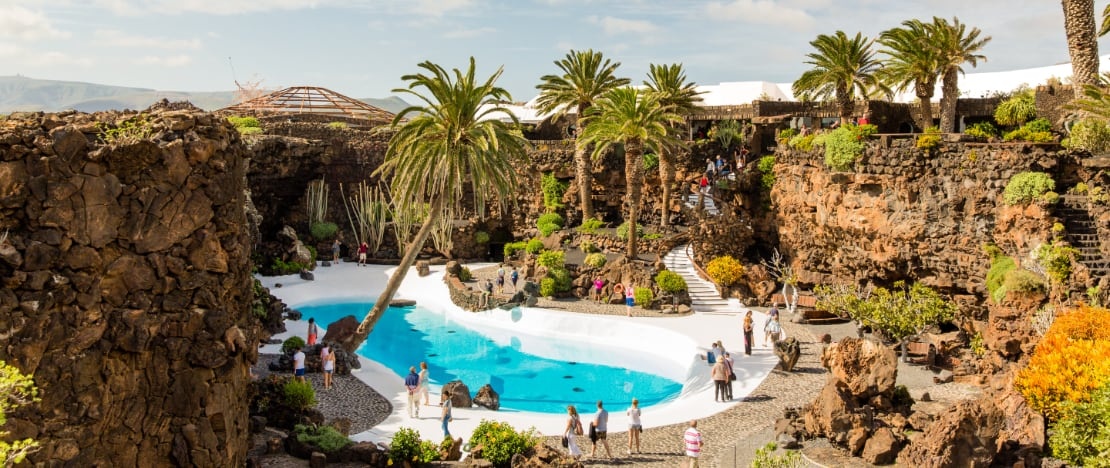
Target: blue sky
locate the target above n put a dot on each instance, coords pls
(362, 47)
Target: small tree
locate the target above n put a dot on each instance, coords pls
(16, 390)
(898, 313)
(783, 273)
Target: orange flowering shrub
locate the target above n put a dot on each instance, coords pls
(1070, 362)
(726, 270)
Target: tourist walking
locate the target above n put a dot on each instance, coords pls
(572, 431)
(412, 381)
(328, 359)
(501, 279)
(445, 416)
(298, 364)
(749, 326)
(313, 331)
(719, 373)
(600, 424)
(423, 389)
(335, 251)
(514, 276)
(772, 329)
(694, 444)
(634, 426)
(731, 375)
(362, 248)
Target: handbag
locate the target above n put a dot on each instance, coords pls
(732, 376)
(577, 427)
(565, 442)
(593, 433)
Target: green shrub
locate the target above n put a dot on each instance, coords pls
(465, 274)
(130, 131)
(590, 226)
(622, 231)
(1057, 228)
(670, 281)
(1018, 109)
(930, 140)
(1036, 131)
(299, 395)
(766, 166)
(500, 441)
(429, 452)
(246, 131)
(595, 260)
(643, 297)
(405, 447)
(281, 267)
(552, 259)
(1080, 188)
(337, 125)
(549, 223)
(801, 142)
(845, 145)
(1050, 198)
(653, 236)
(786, 134)
(981, 130)
(1089, 134)
(1027, 187)
(1020, 280)
(765, 458)
(547, 287)
(481, 237)
(534, 246)
(1000, 266)
(561, 277)
(651, 161)
(244, 122)
(292, 343)
(323, 231)
(512, 248)
(553, 190)
(327, 438)
(725, 271)
(1082, 437)
(588, 247)
(1056, 260)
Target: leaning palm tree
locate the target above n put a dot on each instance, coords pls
(587, 75)
(454, 140)
(668, 83)
(841, 67)
(1079, 26)
(912, 61)
(636, 119)
(956, 44)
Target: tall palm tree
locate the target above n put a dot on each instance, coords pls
(453, 140)
(668, 83)
(1079, 26)
(636, 119)
(912, 61)
(841, 67)
(956, 45)
(587, 75)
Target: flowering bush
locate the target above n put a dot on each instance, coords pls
(725, 271)
(596, 260)
(500, 441)
(1069, 363)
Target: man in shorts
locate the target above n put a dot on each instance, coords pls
(601, 426)
(298, 364)
(362, 248)
(692, 439)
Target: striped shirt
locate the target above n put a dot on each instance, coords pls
(693, 442)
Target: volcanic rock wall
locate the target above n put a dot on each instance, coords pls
(126, 287)
(904, 214)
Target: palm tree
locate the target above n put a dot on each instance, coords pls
(586, 77)
(454, 140)
(842, 66)
(636, 119)
(668, 83)
(913, 61)
(1079, 26)
(955, 45)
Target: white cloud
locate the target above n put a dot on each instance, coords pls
(613, 26)
(171, 61)
(467, 33)
(21, 23)
(439, 7)
(113, 38)
(213, 7)
(52, 58)
(764, 12)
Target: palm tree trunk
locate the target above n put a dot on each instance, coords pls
(1079, 25)
(925, 97)
(951, 89)
(844, 104)
(633, 167)
(583, 172)
(395, 279)
(666, 169)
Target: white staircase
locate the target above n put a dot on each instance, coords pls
(710, 207)
(703, 294)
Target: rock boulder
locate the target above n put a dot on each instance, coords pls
(459, 394)
(487, 398)
(864, 367)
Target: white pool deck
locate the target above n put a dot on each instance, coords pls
(676, 341)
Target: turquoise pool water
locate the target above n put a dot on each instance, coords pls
(406, 336)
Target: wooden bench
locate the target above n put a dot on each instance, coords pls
(804, 300)
(926, 353)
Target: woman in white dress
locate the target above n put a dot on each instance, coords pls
(573, 429)
(422, 388)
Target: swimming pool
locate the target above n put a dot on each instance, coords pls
(561, 372)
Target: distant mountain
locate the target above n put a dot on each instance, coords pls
(19, 93)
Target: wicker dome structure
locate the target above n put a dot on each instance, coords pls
(311, 100)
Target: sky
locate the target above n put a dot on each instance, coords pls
(361, 48)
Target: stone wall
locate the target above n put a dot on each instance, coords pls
(903, 214)
(127, 288)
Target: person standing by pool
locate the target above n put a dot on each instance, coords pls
(362, 248)
(749, 326)
(335, 251)
(692, 439)
(572, 431)
(412, 381)
(731, 375)
(719, 373)
(313, 331)
(328, 359)
(501, 279)
(423, 390)
(298, 364)
(634, 426)
(601, 427)
(445, 416)
(773, 329)
(599, 284)
(514, 276)
(629, 300)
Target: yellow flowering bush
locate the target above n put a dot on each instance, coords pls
(725, 271)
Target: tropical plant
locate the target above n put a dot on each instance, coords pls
(1056, 260)
(16, 390)
(465, 274)
(316, 201)
(595, 260)
(323, 231)
(586, 77)
(1026, 187)
(984, 130)
(442, 235)
(298, 394)
(500, 441)
(668, 83)
(842, 66)
(956, 45)
(637, 120)
(728, 132)
(368, 212)
(454, 133)
(327, 438)
(553, 190)
(766, 166)
(670, 281)
(765, 458)
(1017, 109)
(898, 313)
(1089, 134)
(549, 223)
(651, 161)
(622, 231)
(1036, 131)
(914, 61)
(590, 225)
(1055, 375)
(845, 145)
(725, 271)
(1079, 27)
